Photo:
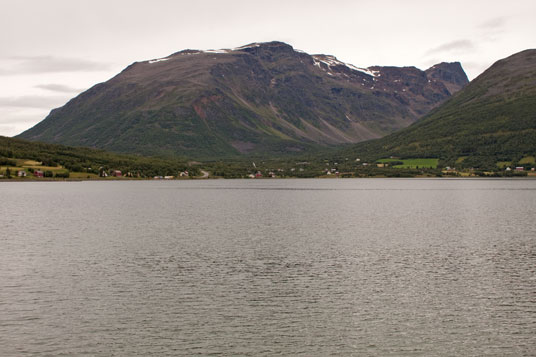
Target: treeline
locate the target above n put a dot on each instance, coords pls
(79, 159)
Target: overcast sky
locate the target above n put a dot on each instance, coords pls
(52, 50)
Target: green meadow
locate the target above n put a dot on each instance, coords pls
(412, 163)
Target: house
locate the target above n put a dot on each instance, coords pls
(169, 177)
(380, 165)
(39, 173)
(116, 173)
(508, 169)
(520, 168)
(21, 173)
(258, 174)
(449, 170)
(184, 174)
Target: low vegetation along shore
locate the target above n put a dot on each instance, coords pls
(32, 160)
(27, 169)
(24, 160)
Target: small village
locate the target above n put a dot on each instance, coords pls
(346, 168)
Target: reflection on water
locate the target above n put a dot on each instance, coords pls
(262, 267)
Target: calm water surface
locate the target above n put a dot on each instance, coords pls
(379, 267)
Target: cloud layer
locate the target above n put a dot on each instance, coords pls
(453, 46)
(51, 64)
(54, 87)
(33, 101)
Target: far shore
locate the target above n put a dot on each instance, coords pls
(130, 179)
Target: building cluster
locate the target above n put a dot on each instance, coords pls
(36, 173)
(518, 168)
(184, 173)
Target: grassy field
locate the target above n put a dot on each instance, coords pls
(24, 164)
(29, 163)
(527, 160)
(386, 161)
(503, 164)
(83, 175)
(32, 165)
(413, 163)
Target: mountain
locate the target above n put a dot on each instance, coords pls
(490, 122)
(258, 99)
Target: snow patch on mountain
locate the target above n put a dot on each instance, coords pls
(217, 51)
(333, 61)
(158, 60)
(252, 45)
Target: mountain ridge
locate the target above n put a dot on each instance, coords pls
(258, 98)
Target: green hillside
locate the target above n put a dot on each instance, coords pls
(490, 123)
(17, 153)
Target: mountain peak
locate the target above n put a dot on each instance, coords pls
(250, 47)
(451, 73)
(521, 61)
(267, 45)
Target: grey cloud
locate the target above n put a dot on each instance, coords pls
(494, 23)
(59, 88)
(454, 46)
(32, 101)
(50, 64)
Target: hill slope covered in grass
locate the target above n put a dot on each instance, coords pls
(489, 123)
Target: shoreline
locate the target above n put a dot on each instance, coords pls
(16, 179)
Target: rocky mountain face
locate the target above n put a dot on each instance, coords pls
(490, 122)
(258, 99)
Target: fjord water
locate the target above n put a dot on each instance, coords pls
(372, 267)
